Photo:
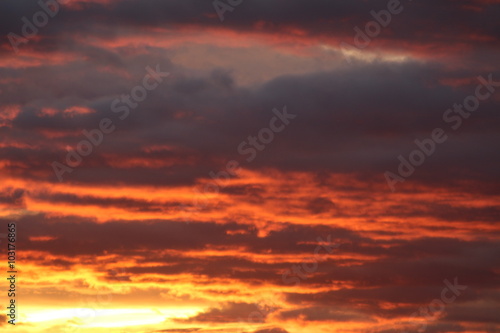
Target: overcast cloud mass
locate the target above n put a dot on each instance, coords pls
(256, 166)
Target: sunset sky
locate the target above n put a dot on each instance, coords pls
(251, 166)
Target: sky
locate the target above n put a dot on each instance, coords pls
(251, 166)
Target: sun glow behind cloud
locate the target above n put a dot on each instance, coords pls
(93, 317)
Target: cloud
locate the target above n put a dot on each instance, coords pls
(326, 314)
(3, 320)
(272, 330)
(335, 131)
(117, 223)
(231, 312)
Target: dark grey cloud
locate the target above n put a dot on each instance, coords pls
(354, 121)
(326, 314)
(12, 196)
(230, 312)
(272, 330)
(318, 18)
